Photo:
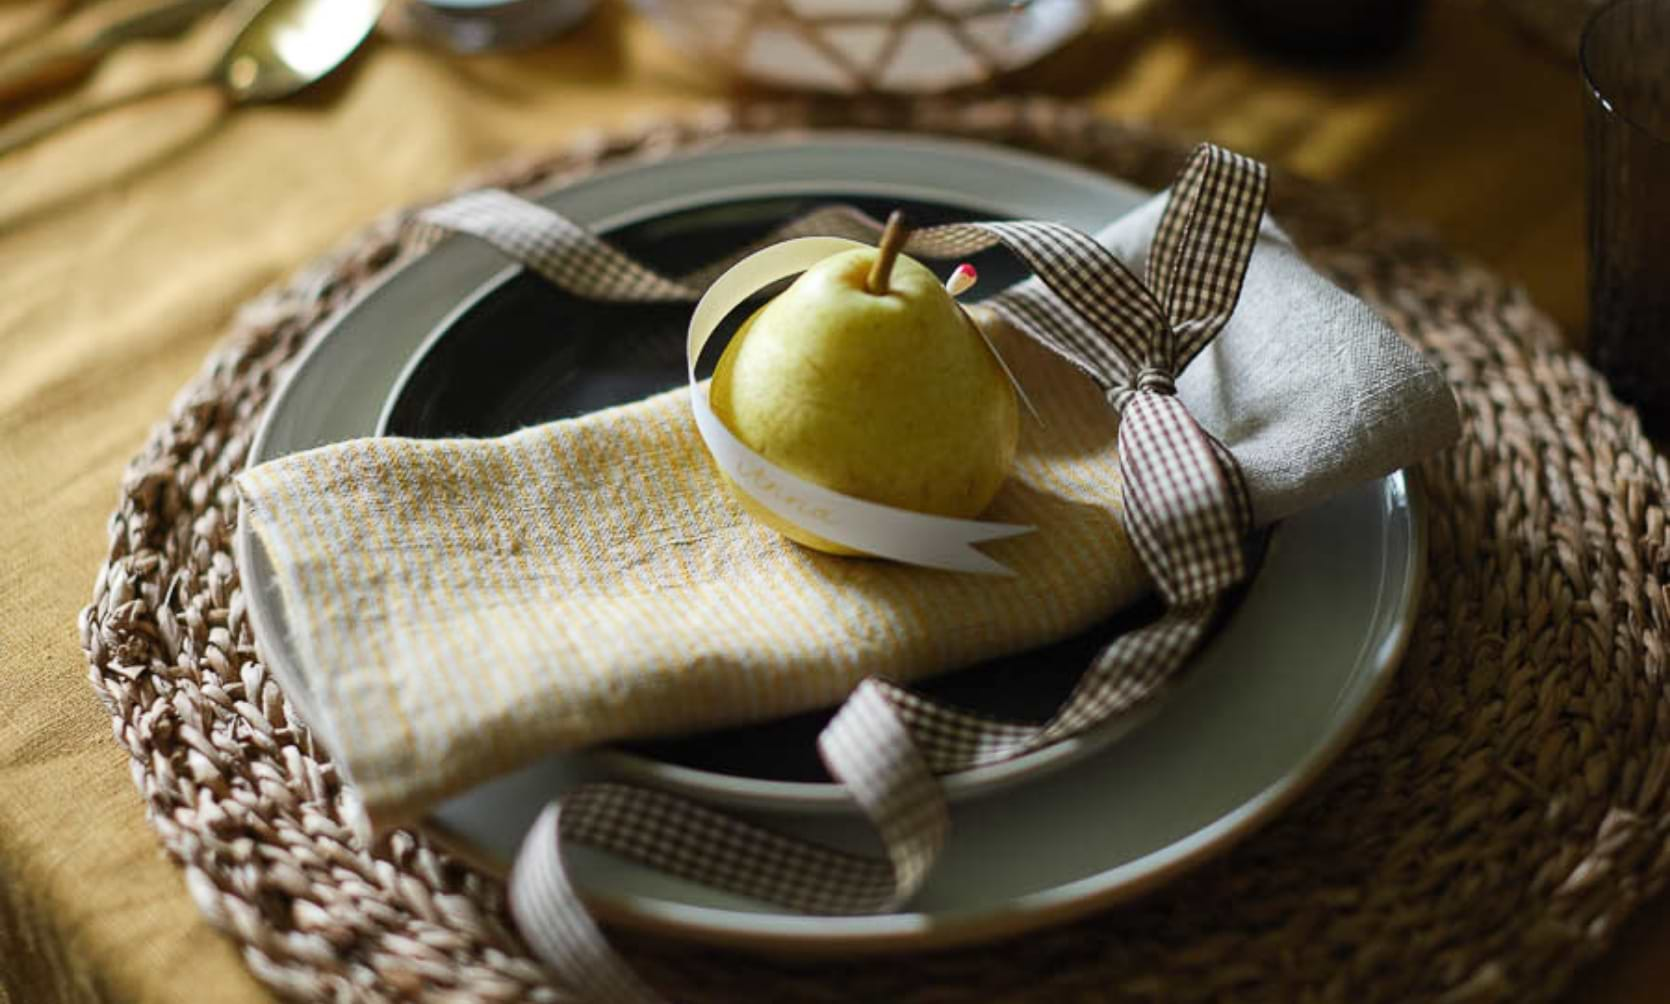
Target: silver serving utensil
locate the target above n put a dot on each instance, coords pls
(278, 47)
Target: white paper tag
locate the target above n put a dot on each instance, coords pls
(882, 530)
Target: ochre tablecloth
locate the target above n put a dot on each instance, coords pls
(125, 247)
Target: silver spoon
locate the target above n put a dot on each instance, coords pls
(277, 48)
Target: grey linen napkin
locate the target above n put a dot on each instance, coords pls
(1310, 388)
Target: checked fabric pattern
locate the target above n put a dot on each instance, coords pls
(1186, 503)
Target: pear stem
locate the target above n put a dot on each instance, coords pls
(892, 239)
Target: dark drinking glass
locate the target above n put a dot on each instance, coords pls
(1626, 70)
(1339, 32)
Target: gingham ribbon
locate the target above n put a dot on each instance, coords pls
(1186, 508)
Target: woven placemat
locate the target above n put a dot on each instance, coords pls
(1498, 817)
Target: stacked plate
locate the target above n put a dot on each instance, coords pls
(459, 343)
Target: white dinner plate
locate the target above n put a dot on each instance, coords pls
(1271, 701)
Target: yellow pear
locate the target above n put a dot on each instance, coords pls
(890, 396)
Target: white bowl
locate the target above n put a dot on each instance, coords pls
(851, 46)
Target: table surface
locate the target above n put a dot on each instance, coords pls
(127, 244)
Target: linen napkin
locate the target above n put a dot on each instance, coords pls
(462, 607)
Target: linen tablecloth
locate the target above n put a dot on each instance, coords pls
(126, 246)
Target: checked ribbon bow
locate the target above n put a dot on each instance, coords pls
(1186, 506)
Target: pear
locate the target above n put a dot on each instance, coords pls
(866, 377)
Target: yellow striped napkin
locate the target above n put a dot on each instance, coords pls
(463, 607)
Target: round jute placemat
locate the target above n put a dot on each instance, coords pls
(1498, 817)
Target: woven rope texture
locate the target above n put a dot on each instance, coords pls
(1499, 816)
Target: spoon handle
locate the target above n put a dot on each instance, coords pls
(64, 113)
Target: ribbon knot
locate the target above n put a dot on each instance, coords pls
(1148, 380)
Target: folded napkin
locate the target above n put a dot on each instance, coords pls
(462, 607)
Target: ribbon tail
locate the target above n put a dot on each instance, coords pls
(963, 556)
(563, 252)
(554, 921)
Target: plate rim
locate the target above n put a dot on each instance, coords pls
(905, 931)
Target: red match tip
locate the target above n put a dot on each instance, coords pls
(961, 281)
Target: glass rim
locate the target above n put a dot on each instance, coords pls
(1595, 92)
